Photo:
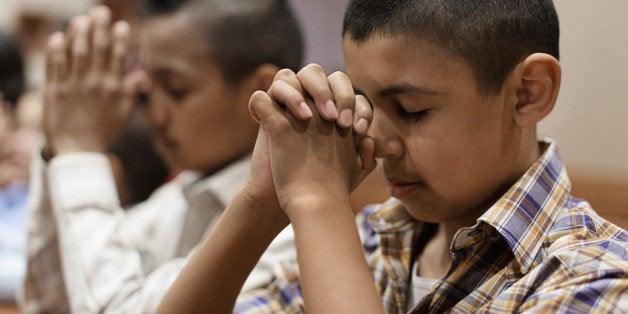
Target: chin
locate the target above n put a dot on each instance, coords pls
(423, 212)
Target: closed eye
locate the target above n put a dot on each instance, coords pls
(410, 117)
(177, 94)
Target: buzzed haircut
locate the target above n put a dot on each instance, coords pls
(244, 34)
(491, 36)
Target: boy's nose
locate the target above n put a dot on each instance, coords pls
(156, 111)
(388, 143)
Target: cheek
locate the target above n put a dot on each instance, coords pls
(446, 161)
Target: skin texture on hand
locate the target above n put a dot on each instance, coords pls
(88, 94)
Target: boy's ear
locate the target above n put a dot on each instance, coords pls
(263, 76)
(537, 78)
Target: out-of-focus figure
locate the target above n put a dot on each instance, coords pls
(13, 171)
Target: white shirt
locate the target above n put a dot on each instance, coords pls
(116, 261)
(419, 286)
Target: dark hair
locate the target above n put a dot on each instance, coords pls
(492, 36)
(143, 167)
(11, 69)
(159, 7)
(244, 34)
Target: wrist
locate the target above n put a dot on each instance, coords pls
(63, 146)
(264, 210)
(308, 206)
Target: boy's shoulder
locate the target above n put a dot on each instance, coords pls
(584, 242)
(582, 264)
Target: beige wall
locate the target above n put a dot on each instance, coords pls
(322, 28)
(590, 120)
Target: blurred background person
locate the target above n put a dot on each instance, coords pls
(13, 170)
(204, 60)
(139, 169)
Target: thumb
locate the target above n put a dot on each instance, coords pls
(265, 110)
(133, 84)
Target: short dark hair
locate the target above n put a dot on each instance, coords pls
(12, 80)
(492, 36)
(143, 166)
(161, 7)
(244, 34)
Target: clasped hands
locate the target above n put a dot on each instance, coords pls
(312, 137)
(89, 94)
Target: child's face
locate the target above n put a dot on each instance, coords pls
(200, 122)
(446, 150)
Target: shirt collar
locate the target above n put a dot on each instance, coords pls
(391, 217)
(525, 213)
(223, 185)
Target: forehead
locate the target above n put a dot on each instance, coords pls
(173, 42)
(380, 61)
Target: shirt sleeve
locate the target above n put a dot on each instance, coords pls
(282, 295)
(101, 268)
(44, 290)
(592, 278)
(280, 250)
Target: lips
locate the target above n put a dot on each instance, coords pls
(399, 190)
(400, 187)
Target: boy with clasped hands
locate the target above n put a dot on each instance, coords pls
(481, 218)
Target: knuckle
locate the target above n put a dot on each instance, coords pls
(345, 98)
(284, 74)
(362, 104)
(257, 97)
(338, 75)
(312, 67)
(280, 90)
(101, 45)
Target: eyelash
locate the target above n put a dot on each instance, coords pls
(410, 117)
(177, 94)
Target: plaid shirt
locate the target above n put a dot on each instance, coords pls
(536, 249)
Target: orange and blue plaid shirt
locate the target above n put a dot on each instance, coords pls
(536, 249)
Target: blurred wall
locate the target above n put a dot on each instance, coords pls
(322, 27)
(590, 120)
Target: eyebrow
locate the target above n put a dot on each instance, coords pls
(404, 88)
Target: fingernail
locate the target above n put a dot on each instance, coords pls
(362, 126)
(346, 118)
(330, 108)
(305, 110)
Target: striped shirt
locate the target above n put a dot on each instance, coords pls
(536, 249)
